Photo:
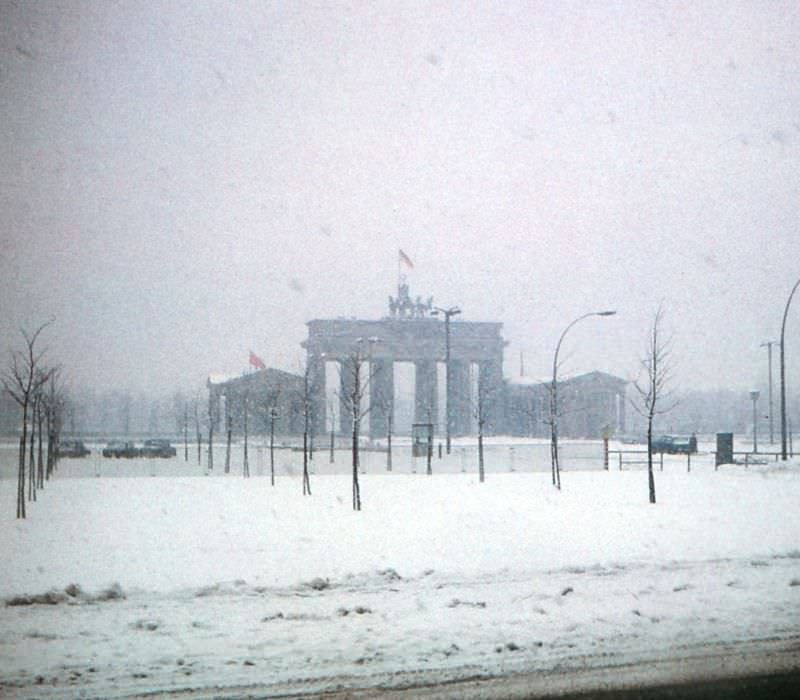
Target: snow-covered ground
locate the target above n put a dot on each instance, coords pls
(226, 583)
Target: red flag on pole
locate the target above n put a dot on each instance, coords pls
(256, 361)
(405, 259)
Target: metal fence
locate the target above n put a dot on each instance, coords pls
(288, 460)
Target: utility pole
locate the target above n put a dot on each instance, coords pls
(769, 344)
(447, 313)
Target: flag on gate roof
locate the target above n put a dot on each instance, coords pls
(405, 259)
(256, 361)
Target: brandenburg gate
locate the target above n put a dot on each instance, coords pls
(411, 333)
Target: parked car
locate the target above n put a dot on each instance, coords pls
(72, 448)
(158, 448)
(675, 444)
(120, 448)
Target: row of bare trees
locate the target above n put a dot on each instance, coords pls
(39, 391)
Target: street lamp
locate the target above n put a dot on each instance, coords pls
(783, 372)
(447, 313)
(754, 398)
(554, 398)
(768, 344)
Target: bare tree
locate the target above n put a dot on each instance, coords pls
(653, 392)
(481, 416)
(228, 433)
(212, 416)
(198, 428)
(269, 409)
(185, 430)
(389, 433)
(352, 369)
(180, 412)
(332, 418)
(307, 404)
(245, 411)
(39, 415)
(23, 380)
(54, 403)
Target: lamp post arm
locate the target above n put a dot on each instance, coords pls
(561, 339)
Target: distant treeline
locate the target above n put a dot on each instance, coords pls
(113, 413)
(722, 410)
(119, 414)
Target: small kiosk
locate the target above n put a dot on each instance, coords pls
(422, 442)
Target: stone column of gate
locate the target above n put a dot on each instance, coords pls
(425, 394)
(316, 390)
(381, 396)
(490, 391)
(459, 401)
(346, 380)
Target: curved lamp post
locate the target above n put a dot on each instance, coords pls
(783, 373)
(554, 398)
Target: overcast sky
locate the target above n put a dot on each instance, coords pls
(181, 182)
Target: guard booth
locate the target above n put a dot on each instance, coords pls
(421, 439)
(724, 454)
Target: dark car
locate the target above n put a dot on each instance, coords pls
(120, 448)
(158, 448)
(72, 448)
(675, 444)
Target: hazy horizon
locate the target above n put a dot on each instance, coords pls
(181, 183)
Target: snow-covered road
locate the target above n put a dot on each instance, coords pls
(391, 630)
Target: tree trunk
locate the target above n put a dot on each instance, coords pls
(481, 473)
(306, 481)
(51, 448)
(229, 428)
(272, 450)
(356, 488)
(51, 443)
(650, 477)
(246, 463)
(429, 452)
(31, 462)
(40, 447)
(199, 437)
(21, 475)
(211, 445)
(185, 434)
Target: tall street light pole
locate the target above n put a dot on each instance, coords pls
(768, 344)
(783, 372)
(754, 394)
(447, 313)
(554, 398)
